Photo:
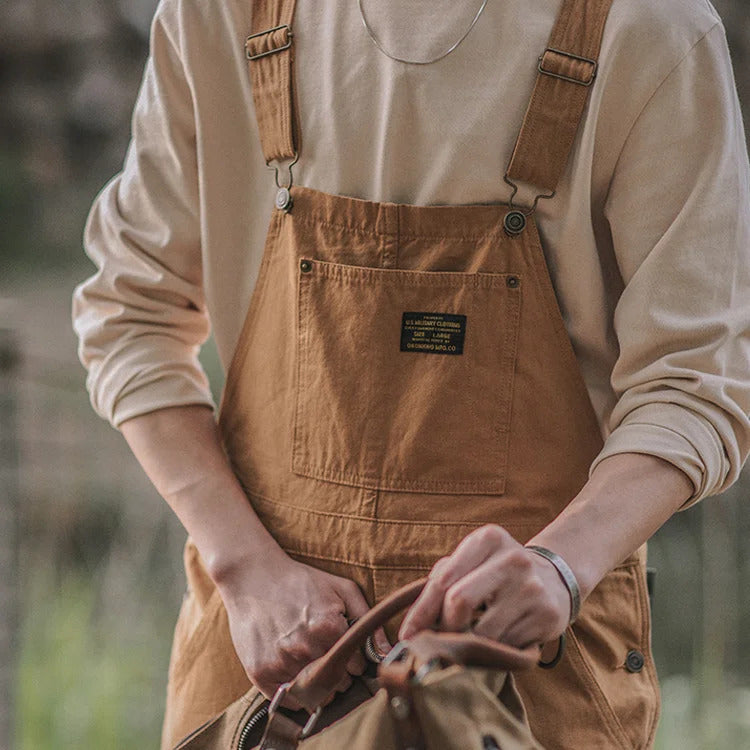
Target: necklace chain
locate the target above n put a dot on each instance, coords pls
(418, 62)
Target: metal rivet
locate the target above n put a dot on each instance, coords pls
(513, 282)
(305, 266)
(634, 661)
(283, 199)
(514, 222)
(400, 707)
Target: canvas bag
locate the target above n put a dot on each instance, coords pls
(437, 691)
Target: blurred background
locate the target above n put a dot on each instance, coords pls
(90, 556)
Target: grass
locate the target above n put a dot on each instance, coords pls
(89, 678)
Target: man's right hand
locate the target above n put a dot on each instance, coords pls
(284, 614)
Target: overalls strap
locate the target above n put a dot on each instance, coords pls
(270, 53)
(567, 68)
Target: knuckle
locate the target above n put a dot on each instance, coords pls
(292, 652)
(493, 533)
(265, 674)
(440, 564)
(547, 612)
(534, 588)
(455, 600)
(348, 585)
(443, 578)
(519, 559)
(327, 626)
(353, 591)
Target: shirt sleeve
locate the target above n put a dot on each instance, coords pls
(678, 209)
(141, 318)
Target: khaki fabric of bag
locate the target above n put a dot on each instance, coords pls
(450, 706)
(456, 707)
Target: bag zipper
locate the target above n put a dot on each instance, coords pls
(252, 722)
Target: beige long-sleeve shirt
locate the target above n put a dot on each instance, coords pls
(647, 239)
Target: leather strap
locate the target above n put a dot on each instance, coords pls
(282, 733)
(396, 679)
(469, 649)
(270, 53)
(320, 678)
(557, 103)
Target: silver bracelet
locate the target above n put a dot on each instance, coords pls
(567, 575)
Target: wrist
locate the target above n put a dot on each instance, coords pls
(233, 567)
(566, 576)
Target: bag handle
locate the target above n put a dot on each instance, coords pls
(319, 678)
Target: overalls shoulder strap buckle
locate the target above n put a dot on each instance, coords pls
(555, 111)
(268, 42)
(567, 66)
(269, 50)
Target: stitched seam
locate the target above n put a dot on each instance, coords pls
(388, 482)
(367, 565)
(645, 606)
(382, 521)
(397, 276)
(370, 232)
(302, 348)
(605, 710)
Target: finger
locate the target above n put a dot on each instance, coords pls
(500, 622)
(473, 550)
(381, 641)
(351, 595)
(269, 689)
(355, 606)
(356, 665)
(344, 684)
(291, 703)
(523, 632)
(498, 576)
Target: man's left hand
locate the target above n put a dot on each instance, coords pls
(494, 586)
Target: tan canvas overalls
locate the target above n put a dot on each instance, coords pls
(404, 376)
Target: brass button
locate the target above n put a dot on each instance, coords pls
(283, 199)
(513, 282)
(305, 266)
(634, 661)
(514, 222)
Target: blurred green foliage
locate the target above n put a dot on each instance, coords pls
(87, 677)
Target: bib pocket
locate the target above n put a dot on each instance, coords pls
(404, 378)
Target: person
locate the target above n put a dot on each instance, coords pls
(596, 303)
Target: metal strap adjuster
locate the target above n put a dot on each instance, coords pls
(286, 43)
(581, 81)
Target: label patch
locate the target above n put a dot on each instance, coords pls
(433, 333)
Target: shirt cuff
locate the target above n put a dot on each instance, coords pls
(148, 374)
(678, 435)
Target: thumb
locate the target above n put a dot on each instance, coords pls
(354, 601)
(355, 606)
(381, 641)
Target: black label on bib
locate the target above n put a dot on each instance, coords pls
(433, 333)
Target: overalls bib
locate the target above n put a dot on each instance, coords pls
(403, 377)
